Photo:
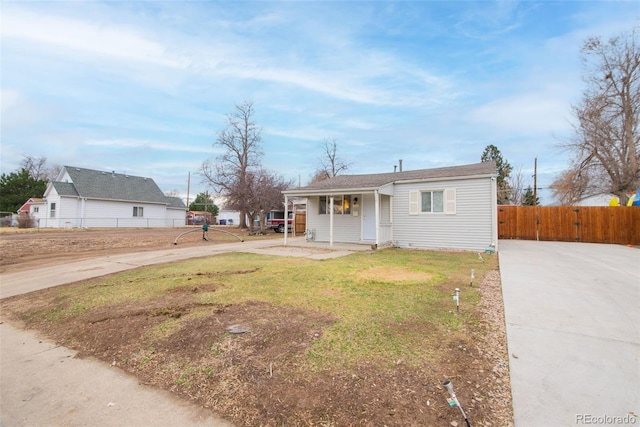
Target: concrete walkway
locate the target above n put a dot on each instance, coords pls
(33, 280)
(42, 384)
(572, 313)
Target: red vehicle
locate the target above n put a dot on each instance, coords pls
(275, 221)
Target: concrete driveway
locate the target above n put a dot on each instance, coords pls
(572, 313)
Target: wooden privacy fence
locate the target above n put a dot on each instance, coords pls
(592, 224)
(300, 222)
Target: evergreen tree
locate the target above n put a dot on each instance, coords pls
(199, 204)
(491, 153)
(17, 187)
(527, 199)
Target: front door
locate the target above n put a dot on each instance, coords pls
(368, 217)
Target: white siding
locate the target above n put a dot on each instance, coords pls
(104, 213)
(470, 228)
(73, 212)
(176, 217)
(346, 228)
(386, 225)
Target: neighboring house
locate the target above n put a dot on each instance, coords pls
(597, 200)
(90, 198)
(444, 208)
(228, 216)
(32, 207)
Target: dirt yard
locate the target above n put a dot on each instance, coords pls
(21, 249)
(250, 389)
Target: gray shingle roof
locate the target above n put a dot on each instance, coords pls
(176, 202)
(65, 188)
(373, 181)
(95, 184)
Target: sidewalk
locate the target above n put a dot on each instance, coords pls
(45, 385)
(572, 312)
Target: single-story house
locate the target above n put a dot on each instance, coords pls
(228, 216)
(604, 199)
(90, 198)
(32, 207)
(443, 208)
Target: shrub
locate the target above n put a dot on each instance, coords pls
(25, 221)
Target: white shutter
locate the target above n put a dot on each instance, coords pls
(450, 201)
(414, 202)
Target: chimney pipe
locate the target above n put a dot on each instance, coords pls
(395, 167)
(400, 162)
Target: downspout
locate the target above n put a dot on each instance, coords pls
(391, 218)
(494, 213)
(286, 219)
(84, 211)
(331, 220)
(376, 196)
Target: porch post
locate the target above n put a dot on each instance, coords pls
(286, 219)
(331, 220)
(376, 196)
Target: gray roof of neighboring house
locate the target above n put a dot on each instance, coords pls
(95, 184)
(65, 188)
(176, 202)
(372, 181)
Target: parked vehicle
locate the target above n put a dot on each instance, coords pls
(275, 221)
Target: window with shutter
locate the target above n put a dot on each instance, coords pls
(450, 201)
(413, 202)
(433, 201)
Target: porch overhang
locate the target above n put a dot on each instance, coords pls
(330, 192)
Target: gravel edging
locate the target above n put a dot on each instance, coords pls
(495, 348)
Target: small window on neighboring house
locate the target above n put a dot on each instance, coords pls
(138, 211)
(53, 210)
(36, 209)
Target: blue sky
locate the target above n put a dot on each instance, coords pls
(143, 87)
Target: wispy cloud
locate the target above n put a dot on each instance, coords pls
(146, 85)
(92, 38)
(147, 144)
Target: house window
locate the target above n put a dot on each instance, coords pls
(341, 205)
(138, 211)
(346, 205)
(432, 201)
(36, 209)
(52, 213)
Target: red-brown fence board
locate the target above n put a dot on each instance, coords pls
(592, 224)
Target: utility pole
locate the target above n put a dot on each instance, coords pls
(535, 181)
(188, 188)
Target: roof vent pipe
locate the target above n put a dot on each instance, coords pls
(400, 167)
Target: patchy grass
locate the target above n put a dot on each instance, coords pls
(359, 340)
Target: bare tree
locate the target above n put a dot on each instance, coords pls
(264, 194)
(569, 187)
(330, 164)
(606, 146)
(516, 182)
(37, 168)
(228, 173)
